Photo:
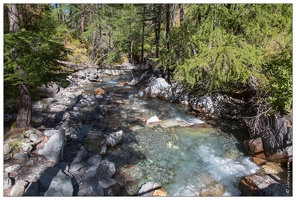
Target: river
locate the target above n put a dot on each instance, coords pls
(181, 153)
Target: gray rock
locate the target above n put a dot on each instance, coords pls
(61, 185)
(260, 184)
(90, 187)
(53, 149)
(104, 150)
(32, 189)
(6, 148)
(33, 137)
(105, 169)
(77, 166)
(158, 88)
(26, 147)
(91, 171)
(30, 162)
(114, 138)
(81, 155)
(151, 189)
(13, 168)
(29, 132)
(46, 177)
(7, 182)
(85, 129)
(21, 156)
(106, 182)
(19, 188)
(96, 159)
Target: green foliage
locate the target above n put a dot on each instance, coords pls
(279, 72)
(233, 43)
(37, 55)
(113, 57)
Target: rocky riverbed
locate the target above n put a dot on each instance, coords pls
(99, 137)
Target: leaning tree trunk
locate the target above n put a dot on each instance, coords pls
(24, 115)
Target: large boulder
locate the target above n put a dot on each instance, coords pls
(54, 147)
(158, 88)
(59, 184)
(255, 147)
(261, 184)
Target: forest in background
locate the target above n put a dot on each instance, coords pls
(235, 49)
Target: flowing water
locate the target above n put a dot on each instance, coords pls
(181, 154)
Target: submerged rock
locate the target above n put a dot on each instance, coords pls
(151, 189)
(100, 91)
(211, 188)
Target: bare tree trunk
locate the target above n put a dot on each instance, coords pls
(24, 115)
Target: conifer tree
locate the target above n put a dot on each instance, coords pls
(32, 56)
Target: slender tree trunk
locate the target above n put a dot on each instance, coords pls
(95, 44)
(82, 22)
(24, 115)
(157, 31)
(143, 33)
(131, 58)
(166, 35)
(180, 57)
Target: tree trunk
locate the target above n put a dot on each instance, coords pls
(143, 32)
(157, 31)
(180, 57)
(14, 23)
(166, 35)
(82, 23)
(24, 115)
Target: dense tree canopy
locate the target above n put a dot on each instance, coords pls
(206, 47)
